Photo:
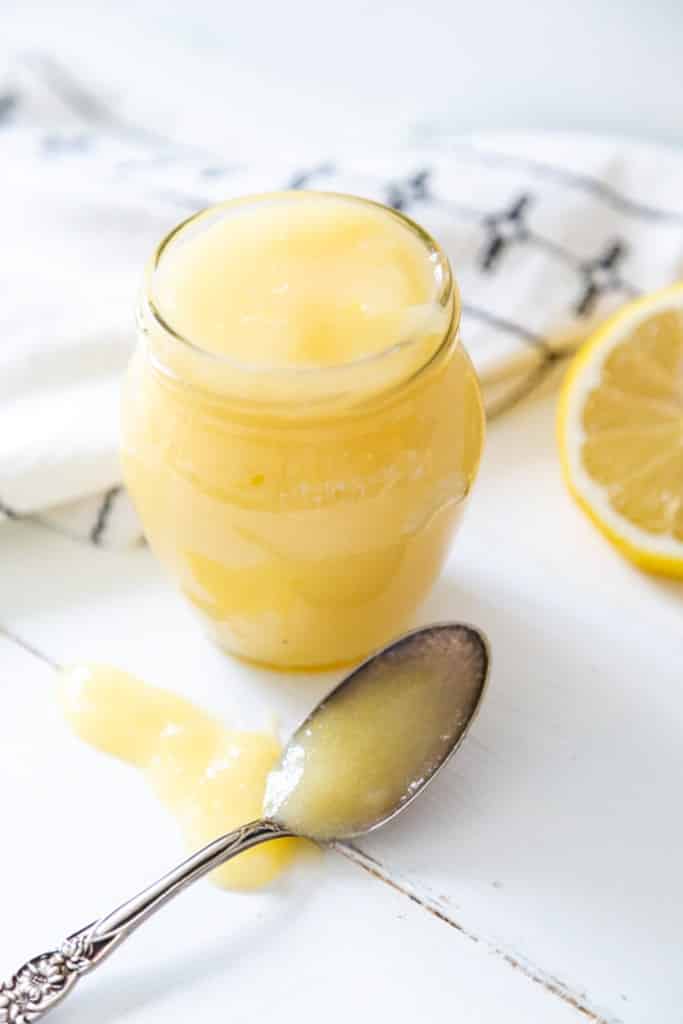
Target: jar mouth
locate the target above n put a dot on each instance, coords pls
(446, 295)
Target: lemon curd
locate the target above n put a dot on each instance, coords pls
(210, 777)
(362, 754)
(301, 425)
(374, 742)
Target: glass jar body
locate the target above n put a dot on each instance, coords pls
(304, 537)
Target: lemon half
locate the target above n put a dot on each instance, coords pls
(620, 430)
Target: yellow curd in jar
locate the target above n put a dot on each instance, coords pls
(301, 425)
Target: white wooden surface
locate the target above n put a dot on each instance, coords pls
(538, 880)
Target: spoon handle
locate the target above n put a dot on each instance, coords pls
(43, 981)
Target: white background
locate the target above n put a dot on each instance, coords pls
(279, 72)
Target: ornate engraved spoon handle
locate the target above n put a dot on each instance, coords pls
(43, 982)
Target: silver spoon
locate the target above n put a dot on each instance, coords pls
(425, 688)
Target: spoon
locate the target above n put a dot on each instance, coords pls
(361, 756)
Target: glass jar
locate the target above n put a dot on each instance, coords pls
(305, 512)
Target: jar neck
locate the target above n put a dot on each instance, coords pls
(299, 391)
(208, 357)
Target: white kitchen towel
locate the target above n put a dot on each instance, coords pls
(546, 234)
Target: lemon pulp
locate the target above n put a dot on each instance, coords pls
(621, 430)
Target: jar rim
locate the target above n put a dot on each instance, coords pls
(447, 292)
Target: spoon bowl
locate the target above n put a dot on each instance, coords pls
(372, 745)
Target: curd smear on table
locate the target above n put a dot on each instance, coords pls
(210, 777)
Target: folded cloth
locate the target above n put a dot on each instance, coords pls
(546, 234)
